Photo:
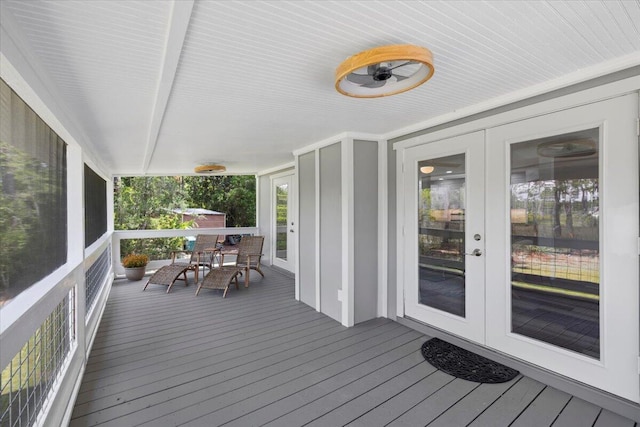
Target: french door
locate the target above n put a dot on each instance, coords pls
(282, 250)
(523, 238)
(444, 234)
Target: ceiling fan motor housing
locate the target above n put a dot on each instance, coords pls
(381, 72)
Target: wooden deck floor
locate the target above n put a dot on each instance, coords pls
(259, 357)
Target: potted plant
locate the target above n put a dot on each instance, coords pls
(135, 265)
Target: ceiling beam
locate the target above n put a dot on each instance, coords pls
(178, 25)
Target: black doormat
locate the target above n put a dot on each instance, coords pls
(464, 364)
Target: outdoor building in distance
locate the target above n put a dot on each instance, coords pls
(204, 218)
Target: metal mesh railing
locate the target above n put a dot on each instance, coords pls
(30, 376)
(94, 278)
(581, 265)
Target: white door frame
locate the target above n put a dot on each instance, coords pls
(289, 265)
(617, 369)
(619, 162)
(472, 325)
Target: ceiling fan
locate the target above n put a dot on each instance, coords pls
(377, 75)
(384, 71)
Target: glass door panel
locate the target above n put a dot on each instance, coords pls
(555, 256)
(443, 245)
(282, 205)
(441, 229)
(562, 243)
(282, 225)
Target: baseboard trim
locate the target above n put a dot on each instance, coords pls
(583, 391)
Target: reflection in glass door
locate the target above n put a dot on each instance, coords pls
(441, 243)
(282, 198)
(562, 243)
(555, 258)
(282, 223)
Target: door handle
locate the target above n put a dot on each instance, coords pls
(475, 252)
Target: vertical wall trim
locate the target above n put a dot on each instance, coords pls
(317, 226)
(272, 222)
(400, 219)
(348, 276)
(257, 202)
(75, 236)
(75, 205)
(296, 178)
(110, 205)
(383, 238)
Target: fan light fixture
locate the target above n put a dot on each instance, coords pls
(427, 169)
(209, 168)
(384, 71)
(568, 149)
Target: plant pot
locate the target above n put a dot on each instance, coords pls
(135, 273)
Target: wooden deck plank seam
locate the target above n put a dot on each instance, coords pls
(297, 367)
(350, 333)
(330, 363)
(454, 408)
(196, 333)
(278, 362)
(196, 366)
(178, 360)
(268, 327)
(367, 418)
(528, 405)
(141, 316)
(237, 342)
(342, 387)
(223, 326)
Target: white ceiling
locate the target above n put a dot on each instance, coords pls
(160, 87)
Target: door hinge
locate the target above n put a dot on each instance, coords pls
(638, 364)
(638, 245)
(638, 126)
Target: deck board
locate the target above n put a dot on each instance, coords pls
(402, 402)
(577, 413)
(342, 392)
(473, 404)
(609, 419)
(434, 405)
(256, 394)
(373, 391)
(544, 409)
(258, 357)
(509, 406)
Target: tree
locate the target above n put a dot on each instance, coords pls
(233, 195)
(32, 209)
(147, 203)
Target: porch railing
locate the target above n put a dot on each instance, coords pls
(40, 390)
(153, 234)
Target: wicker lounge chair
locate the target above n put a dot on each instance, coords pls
(201, 256)
(249, 255)
(219, 278)
(167, 276)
